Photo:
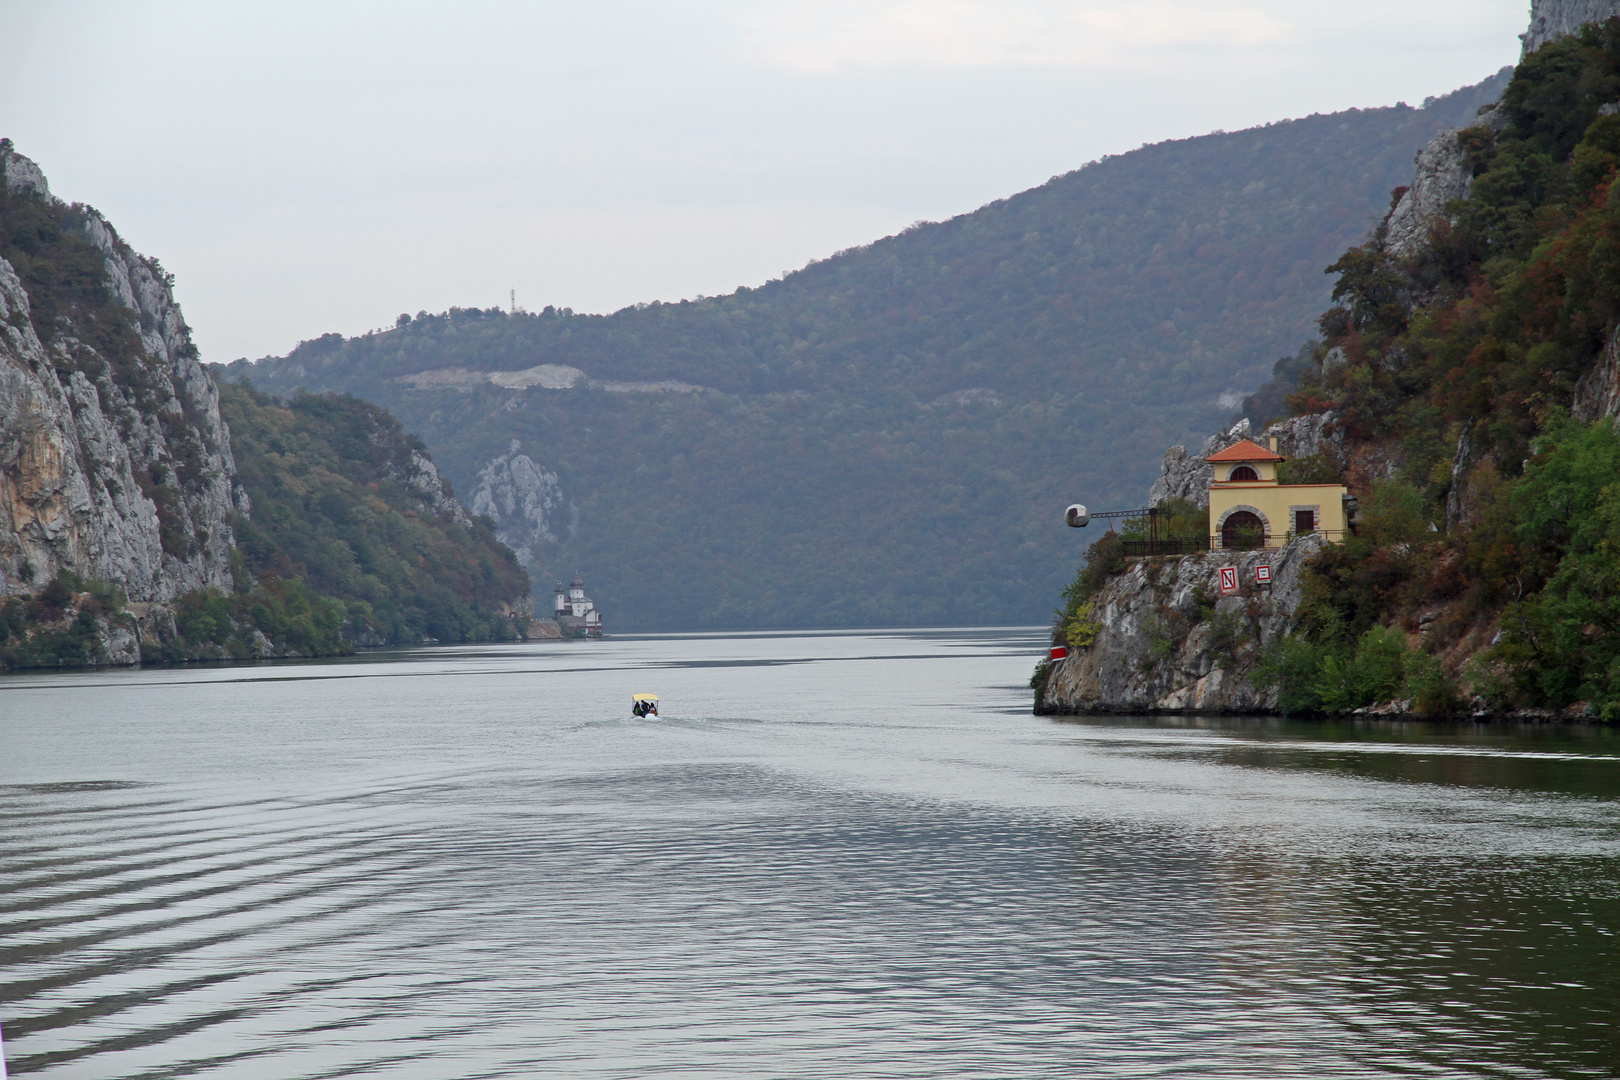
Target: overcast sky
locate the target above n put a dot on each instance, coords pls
(305, 168)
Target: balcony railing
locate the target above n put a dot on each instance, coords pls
(1191, 545)
(1194, 545)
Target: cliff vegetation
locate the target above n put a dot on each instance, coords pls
(1471, 380)
(1479, 363)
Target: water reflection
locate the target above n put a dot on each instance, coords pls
(1450, 941)
(837, 855)
(1570, 759)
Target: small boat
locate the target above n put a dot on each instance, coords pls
(644, 704)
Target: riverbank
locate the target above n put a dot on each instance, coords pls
(1166, 641)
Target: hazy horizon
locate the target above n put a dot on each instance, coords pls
(303, 169)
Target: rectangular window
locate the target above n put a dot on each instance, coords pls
(1304, 522)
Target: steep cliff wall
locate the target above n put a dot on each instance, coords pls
(1553, 19)
(1442, 175)
(1168, 642)
(525, 500)
(1597, 396)
(326, 527)
(114, 462)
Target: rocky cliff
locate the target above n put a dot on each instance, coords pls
(1597, 395)
(114, 462)
(1167, 641)
(131, 527)
(1510, 608)
(1553, 19)
(1442, 172)
(525, 500)
(1442, 175)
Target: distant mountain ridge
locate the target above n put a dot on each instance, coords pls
(918, 401)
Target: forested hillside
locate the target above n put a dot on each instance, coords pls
(880, 438)
(345, 502)
(1474, 387)
(1486, 366)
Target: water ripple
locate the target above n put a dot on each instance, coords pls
(867, 890)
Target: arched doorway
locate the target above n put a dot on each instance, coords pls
(1243, 529)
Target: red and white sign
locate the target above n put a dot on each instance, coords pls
(1059, 652)
(1262, 574)
(1229, 582)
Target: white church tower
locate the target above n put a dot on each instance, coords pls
(575, 611)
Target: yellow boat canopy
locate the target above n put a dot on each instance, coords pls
(643, 697)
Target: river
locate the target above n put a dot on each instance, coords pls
(833, 855)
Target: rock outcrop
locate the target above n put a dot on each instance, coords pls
(1553, 19)
(1164, 640)
(1442, 175)
(1170, 643)
(1186, 475)
(114, 462)
(1597, 396)
(1442, 172)
(418, 475)
(524, 499)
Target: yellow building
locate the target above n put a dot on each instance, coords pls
(1249, 509)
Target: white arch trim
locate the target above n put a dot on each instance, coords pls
(1265, 522)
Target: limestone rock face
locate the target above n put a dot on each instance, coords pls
(1185, 475)
(21, 174)
(1442, 175)
(1308, 436)
(1597, 396)
(523, 498)
(114, 461)
(1553, 19)
(420, 476)
(1159, 652)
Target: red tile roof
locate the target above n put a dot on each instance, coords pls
(1244, 451)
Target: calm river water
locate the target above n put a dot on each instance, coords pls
(837, 855)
